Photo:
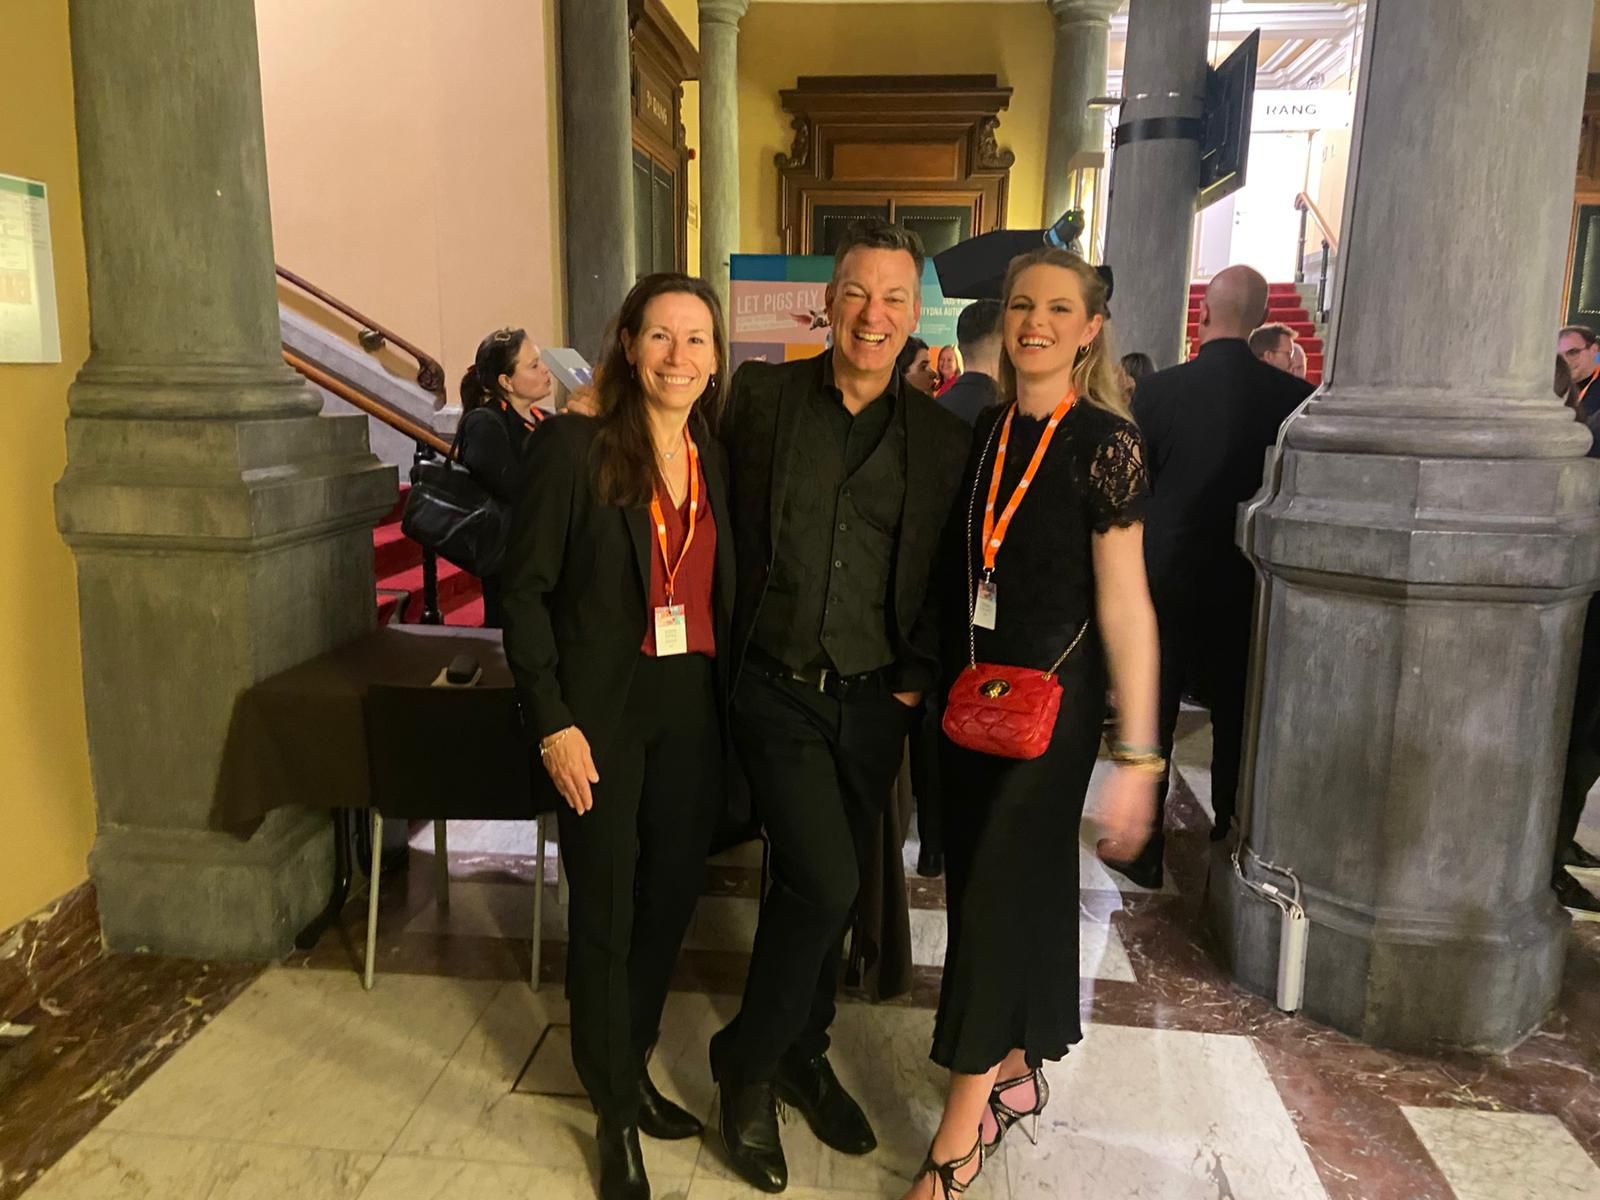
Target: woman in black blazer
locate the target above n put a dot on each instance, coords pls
(500, 394)
(619, 584)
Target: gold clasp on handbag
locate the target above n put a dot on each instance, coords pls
(994, 689)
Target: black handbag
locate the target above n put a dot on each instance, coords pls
(452, 514)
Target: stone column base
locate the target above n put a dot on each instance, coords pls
(212, 895)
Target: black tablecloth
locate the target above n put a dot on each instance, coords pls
(361, 725)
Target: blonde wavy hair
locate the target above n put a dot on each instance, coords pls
(1095, 373)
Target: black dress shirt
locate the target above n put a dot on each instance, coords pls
(830, 583)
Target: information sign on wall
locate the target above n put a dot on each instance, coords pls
(1286, 111)
(778, 307)
(29, 332)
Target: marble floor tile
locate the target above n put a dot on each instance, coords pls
(503, 910)
(1160, 1113)
(723, 923)
(472, 1114)
(550, 1071)
(1494, 1155)
(705, 1188)
(1101, 954)
(306, 1058)
(485, 837)
(403, 1178)
(107, 1165)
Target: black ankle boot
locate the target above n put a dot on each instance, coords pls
(811, 1087)
(660, 1118)
(748, 1122)
(622, 1174)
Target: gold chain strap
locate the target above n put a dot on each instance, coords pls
(972, 505)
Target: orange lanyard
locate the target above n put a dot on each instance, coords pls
(660, 517)
(994, 533)
(530, 426)
(1585, 392)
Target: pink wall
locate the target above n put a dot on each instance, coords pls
(413, 155)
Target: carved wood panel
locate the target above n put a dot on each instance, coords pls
(663, 58)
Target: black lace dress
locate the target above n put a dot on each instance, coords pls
(1011, 826)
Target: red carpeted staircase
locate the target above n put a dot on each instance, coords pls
(1284, 304)
(397, 562)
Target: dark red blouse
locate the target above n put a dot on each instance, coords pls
(694, 581)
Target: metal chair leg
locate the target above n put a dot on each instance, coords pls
(538, 904)
(441, 867)
(372, 900)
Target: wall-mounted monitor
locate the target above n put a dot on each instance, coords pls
(1230, 100)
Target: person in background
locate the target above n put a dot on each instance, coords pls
(1274, 344)
(619, 585)
(1576, 344)
(1059, 563)
(948, 367)
(978, 334)
(1207, 425)
(915, 366)
(1132, 367)
(1299, 366)
(500, 396)
(842, 479)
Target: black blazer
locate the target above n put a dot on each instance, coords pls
(577, 580)
(759, 427)
(1207, 425)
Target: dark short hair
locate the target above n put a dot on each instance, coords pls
(1589, 336)
(1270, 337)
(1136, 364)
(908, 354)
(878, 235)
(978, 322)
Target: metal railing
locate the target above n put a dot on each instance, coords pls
(1307, 207)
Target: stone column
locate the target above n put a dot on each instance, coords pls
(1427, 547)
(1083, 34)
(221, 527)
(596, 165)
(719, 138)
(1155, 174)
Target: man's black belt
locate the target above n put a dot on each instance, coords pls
(1159, 129)
(819, 679)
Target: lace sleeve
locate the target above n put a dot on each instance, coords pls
(1118, 485)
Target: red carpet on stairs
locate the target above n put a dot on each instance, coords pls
(1284, 305)
(397, 565)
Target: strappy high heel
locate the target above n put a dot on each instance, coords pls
(1005, 1116)
(944, 1174)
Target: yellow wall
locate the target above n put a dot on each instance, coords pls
(687, 14)
(413, 152)
(780, 42)
(46, 807)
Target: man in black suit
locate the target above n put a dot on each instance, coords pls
(978, 333)
(1207, 425)
(841, 482)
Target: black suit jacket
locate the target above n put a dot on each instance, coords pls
(1207, 425)
(577, 580)
(759, 427)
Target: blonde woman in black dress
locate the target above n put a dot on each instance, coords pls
(1069, 569)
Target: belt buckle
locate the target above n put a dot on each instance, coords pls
(822, 679)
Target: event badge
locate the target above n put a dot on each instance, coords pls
(672, 631)
(983, 609)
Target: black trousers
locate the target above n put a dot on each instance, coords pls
(1205, 647)
(820, 771)
(925, 773)
(635, 866)
(1583, 759)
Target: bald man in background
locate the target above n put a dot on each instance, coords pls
(1207, 425)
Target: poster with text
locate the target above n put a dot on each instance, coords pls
(29, 332)
(778, 307)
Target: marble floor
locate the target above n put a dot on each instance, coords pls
(452, 1079)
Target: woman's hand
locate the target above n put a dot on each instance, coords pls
(1126, 813)
(570, 765)
(584, 402)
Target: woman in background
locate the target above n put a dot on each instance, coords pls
(500, 393)
(948, 367)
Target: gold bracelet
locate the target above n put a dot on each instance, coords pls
(554, 740)
(1151, 764)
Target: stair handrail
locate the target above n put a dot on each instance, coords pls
(427, 442)
(1306, 206)
(373, 337)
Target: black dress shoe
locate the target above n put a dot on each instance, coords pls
(622, 1174)
(660, 1118)
(1576, 899)
(1576, 856)
(930, 862)
(813, 1090)
(748, 1122)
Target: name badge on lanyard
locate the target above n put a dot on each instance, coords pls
(986, 604)
(672, 624)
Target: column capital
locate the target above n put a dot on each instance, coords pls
(723, 12)
(1081, 12)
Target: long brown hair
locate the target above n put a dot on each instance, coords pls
(625, 458)
(1095, 373)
